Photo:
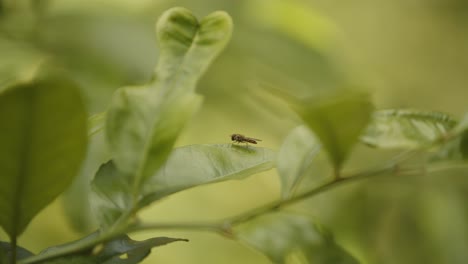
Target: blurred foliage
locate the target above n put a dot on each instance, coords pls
(410, 53)
(43, 144)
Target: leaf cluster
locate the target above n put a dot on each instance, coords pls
(43, 145)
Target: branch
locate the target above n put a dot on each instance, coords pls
(211, 227)
(392, 169)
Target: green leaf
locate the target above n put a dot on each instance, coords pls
(43, 142)
(406, 129)
(5, 252)
(292, 238)
(142, 127)
(144, 122)
(294, 157)
(338, 120)
(121, 250)
(207, 164)
(187, 167)
(136, 251)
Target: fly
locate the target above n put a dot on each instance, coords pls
(243, 139)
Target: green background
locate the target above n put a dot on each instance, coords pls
(408, 54)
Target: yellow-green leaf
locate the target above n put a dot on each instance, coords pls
(337, 119)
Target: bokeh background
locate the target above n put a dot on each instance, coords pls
(407, 53)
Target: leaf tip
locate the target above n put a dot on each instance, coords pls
(219, 17)
(215, 28)
(177, 22)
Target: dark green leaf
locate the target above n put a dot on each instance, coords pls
(295, 156)
(136, 251)
(5, 252)
(186, 167)
(43, 141)
(122, 250)
(338, 120)
(292, 238)
(406, 128)
(112, 194)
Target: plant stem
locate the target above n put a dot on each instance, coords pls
(337, 181)
(213, 227)
(14, 245)
(393, 169)
(282, 203)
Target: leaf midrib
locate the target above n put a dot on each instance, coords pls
(168, 87)
(25, 157)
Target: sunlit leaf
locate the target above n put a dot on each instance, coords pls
(121, 250)
(292, 238)
(294, 157)
(187, 167)
(43, 142)
(337, 120)
(144, 122)
(406, 128)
